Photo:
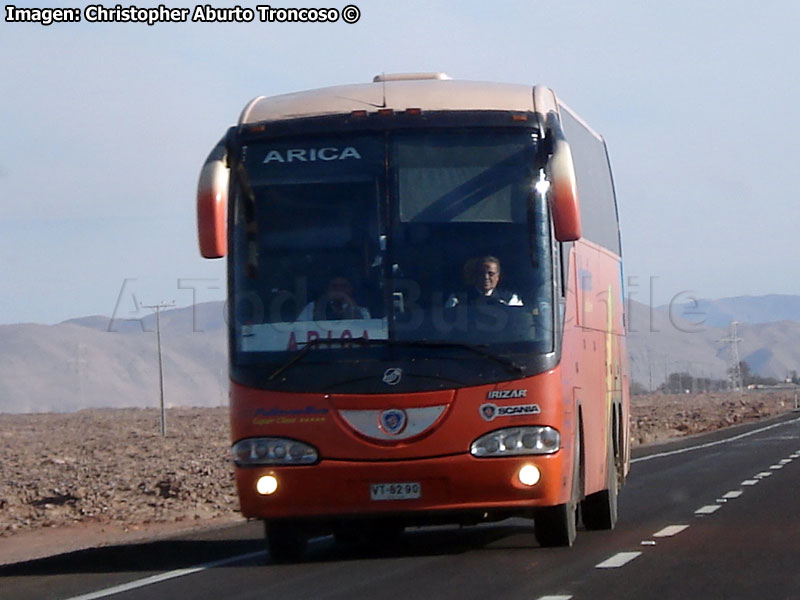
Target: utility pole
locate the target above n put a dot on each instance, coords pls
(157, 308)
(736, 369)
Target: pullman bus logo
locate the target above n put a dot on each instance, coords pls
(392, 376)
(393, 421)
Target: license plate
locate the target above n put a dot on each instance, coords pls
(395, 491)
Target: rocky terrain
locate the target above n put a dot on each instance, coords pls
(109, 472)
(111, 468)
(659, 417)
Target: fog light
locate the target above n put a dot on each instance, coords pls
(266, 485)
(529, 475)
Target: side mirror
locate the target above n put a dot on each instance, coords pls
(212, 204)
(563, 188)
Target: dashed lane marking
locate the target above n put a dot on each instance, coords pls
(117, 589)
(708, 509)
(670, 530)
(622, 558)
(618, 560)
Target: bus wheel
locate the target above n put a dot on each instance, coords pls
(599, 510)
(558, 525)
(286, 541)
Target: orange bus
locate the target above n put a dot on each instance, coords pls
(425, 312)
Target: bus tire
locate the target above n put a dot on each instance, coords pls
(600, 510)
(558, 525)
(286, 541)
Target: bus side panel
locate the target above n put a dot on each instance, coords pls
(594, 354)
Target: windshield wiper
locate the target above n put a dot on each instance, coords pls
(295, 359)
(481, 349)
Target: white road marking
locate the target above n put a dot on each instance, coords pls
(733, 494)
(647, 543)
(117, 589)
(785, 461)
(618, 560)
(670, 530)
(717, 443)
(707, 509)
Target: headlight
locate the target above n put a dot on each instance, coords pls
(273, 451)
(516, 441)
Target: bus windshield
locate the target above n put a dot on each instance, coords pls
(412, 236)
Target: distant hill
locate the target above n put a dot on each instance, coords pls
(98, 362)
(744, 309)
(660, 343)
(94, 362)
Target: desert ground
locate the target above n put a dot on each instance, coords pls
(98, 477)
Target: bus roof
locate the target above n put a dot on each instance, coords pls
(428, 92)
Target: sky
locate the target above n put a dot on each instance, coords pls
(105, 126)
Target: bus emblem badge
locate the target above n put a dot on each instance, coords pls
(491, 411)
(392, 376)
(393, 421)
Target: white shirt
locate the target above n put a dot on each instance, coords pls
(513, 301)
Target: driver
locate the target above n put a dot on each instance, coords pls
(483, 276)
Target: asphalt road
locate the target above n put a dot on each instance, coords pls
(712, 517)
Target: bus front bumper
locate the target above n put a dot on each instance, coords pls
(347, 489)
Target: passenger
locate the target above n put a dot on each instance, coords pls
(335, 304)
(483, 275)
